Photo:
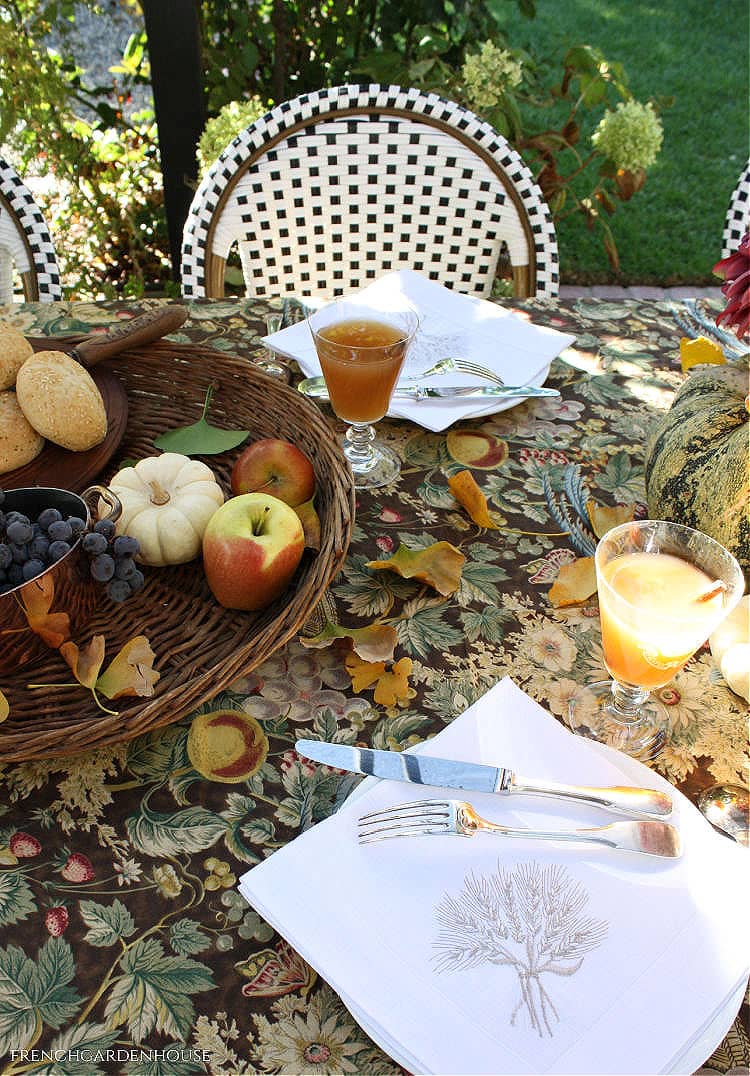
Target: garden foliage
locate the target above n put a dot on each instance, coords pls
(105, 196)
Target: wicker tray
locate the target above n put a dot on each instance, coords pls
(200, 647)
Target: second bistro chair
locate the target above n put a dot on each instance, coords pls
(737, 220)
(334, 188)
(25, 243)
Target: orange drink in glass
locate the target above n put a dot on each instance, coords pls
(361, 351)
(663, 589)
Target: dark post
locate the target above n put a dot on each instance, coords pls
(174, 47)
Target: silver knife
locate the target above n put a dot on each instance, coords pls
(315, 388)
(442, 773)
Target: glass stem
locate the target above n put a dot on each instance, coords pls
(358, 446)
(627, 702)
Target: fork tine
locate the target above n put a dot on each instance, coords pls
(375, 837)
(477, 370)
(441, 806)
(414, 829)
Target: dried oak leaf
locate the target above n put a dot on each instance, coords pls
(464, 488)
(363, 673)
(700, 352)
(85, 662)
(310, 521)
(36, 601)
(575, 583)
(391, 686)
(4, 707)
(131, 672)
(374, 642)
(603, 519)
(439, 565)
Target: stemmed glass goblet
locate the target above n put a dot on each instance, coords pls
(361, 349)
(663, 589)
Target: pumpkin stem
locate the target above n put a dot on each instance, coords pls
(158, 494)
(717, 588)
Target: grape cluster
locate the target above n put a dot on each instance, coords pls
(28, 548)
(112, 560)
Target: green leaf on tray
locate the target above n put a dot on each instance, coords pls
(201, 438)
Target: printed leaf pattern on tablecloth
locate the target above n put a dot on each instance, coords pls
(33, 992)
(154, 992)
(166, 835)
(107, 924)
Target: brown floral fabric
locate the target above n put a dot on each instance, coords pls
(121, 927)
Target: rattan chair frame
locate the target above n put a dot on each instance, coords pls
(737, 220)
(25, 242)
(294, 123)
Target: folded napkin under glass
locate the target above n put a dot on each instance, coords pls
(451, 325)
(497, 955)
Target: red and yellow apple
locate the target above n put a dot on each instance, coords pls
(251, 549)
(275, 467)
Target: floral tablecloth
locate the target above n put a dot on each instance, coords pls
(124, 944)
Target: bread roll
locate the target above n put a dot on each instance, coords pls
(19, 442)
(61, 401)
(14, 351)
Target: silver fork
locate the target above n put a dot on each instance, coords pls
(444, 366)
(459, 818)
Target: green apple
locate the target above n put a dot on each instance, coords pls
(251, 549)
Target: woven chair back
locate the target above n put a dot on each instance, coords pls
(25, 243)
(331, 190)
(737, 220)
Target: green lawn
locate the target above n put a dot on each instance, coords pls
(695, 51)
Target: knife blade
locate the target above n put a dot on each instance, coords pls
(316, 389)
(474, 777)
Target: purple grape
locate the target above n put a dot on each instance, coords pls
(49, 515)
(39, 547)
(13, 516)
(20, 553)
(105, 527)
(94, 543)
(19, 533)
(103, 568)
(57, 550)
(32, 567)
(119, 590)
(6, 556)
(15, 574)
(136, 580)
(125, 567)
(60, 531)
(125, 546)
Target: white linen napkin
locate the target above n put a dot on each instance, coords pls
(500, 955)
(451, 325)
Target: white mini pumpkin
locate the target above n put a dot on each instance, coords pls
(730, 648)
(167, 502)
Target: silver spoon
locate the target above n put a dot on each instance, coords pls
(727, 807)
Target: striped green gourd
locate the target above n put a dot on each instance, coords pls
(696, 465)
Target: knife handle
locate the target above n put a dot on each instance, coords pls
(132, 333)
(640, 802)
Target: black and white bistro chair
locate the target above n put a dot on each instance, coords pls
(336, 187)
(737, 220)
(25, 243)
